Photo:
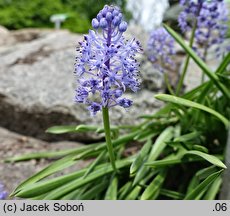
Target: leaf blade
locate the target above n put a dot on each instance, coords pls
(203, 186)
(154, 187)
(188, 103)
(210, 158)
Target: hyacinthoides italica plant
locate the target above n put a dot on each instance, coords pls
(210, 18)
(161, 49)
(107, 67)
(206, 20)
(3, 193)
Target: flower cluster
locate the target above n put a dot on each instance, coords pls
(106, 66)
(210, 17)
(161, 47)
(3, 193)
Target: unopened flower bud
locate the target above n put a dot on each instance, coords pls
(95, 23)
(123, 26)
(109, 16)
(116, 21)
(103, 23)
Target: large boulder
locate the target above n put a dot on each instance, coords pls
(37, 89)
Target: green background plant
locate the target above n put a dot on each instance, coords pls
(15, 14)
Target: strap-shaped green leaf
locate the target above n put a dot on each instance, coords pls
(141, 157)
(172, 194)
(32, 189)
(157, 148)
(203, 186)
(51, 154)
(213, 190)
(69, 128)
(95, 163)
(49, 170)
(187, 137)
(152, 191)
(111, 193)
(124, 190)
(210, 158)
(180, 157)
(188, 103)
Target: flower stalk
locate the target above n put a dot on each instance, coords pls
(105, 113)
(185, 68)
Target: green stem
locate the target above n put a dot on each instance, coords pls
(205, 56)
(203, 78)
(181, 81)
(168, 85)
(105, 113)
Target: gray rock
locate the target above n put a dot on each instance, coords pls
(5, 37)
(13, 144)
(152, 79)
(29, 34)
(172, 13)
(37, 89)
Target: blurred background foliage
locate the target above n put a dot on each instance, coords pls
(17, 14)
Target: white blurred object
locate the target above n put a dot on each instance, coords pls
(148, 13)
(57, 19)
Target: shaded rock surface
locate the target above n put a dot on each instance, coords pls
(37, 87)
(12, 144)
